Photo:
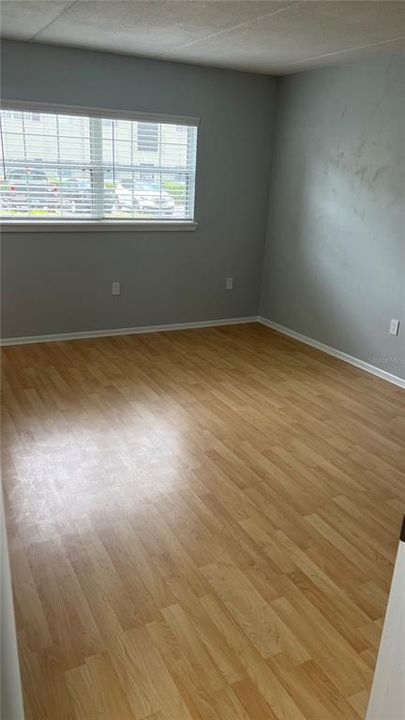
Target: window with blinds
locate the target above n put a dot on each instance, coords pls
(60, 166)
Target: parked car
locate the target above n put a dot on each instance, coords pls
(146, 197)
(29, 187)
(75, 196)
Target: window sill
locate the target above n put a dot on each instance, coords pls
(97, 225)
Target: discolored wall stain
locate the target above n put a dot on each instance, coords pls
(334, 266)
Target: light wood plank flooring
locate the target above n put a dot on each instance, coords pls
(202, 525)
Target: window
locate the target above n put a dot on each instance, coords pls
(58, 166)
(12, 115)
(148, 137)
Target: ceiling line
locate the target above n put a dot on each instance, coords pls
(192, 42)
(239, 25)
(47, 25)
(340, 52)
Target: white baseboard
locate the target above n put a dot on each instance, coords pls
(361, 364)
(142, 329)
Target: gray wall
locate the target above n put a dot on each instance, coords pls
(55, 282)
(334, 263)
(334, 266)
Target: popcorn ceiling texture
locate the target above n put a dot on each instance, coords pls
(258, 36)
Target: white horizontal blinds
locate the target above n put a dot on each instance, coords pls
(151, 167)
(46, 167)
(71, 166)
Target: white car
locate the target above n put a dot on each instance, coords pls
(145, 197)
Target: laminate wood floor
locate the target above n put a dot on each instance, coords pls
(202, 525)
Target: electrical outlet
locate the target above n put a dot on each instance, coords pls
(228, 283)
(394, 327)
(116, 288)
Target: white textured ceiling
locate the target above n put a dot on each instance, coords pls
(267, 36)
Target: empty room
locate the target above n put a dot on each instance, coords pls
(203, 360)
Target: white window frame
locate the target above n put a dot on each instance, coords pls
(72, 225)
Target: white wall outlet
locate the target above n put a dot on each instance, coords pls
(228, 283)
(116, 288)
(394, 327)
